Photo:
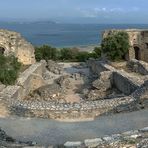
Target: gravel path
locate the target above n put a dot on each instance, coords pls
(46, 131)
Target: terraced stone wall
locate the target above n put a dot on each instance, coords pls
(66, 111)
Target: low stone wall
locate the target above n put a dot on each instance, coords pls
(125, 83)
(129, 139)
(64, 111)
(98, 66)
(138, 66)
(29, 80)
(122, 80)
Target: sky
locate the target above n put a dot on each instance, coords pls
(76, 11)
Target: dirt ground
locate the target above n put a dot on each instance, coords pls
(73, 94)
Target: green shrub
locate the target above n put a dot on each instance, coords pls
(93, 55)
(82, 56)
(46, 52)
(98, 51)
(68, 54)
(9, 69)
(115, 45)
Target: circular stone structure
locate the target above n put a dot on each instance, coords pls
(12, 43)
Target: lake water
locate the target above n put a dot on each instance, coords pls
(63, 35)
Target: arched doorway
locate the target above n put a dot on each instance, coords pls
(137, 53)
(2, 50)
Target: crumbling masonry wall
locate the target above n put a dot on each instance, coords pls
(138, 39)
(73, 111)
(13, 43)
(28, 81)
(120, 79)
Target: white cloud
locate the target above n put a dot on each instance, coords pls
(135, 9)
(105, 11)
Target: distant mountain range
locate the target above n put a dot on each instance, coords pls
(29, 22)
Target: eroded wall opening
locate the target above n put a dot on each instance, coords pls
(137, 53)
(2, 50)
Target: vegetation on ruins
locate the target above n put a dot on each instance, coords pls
(98, 51)
(9, 69)
(65, 54)
(115, 45)
(46, 52)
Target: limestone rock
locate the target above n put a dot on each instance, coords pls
(2, 86)
(93, 142)
(48, 92)
(64, 81)
(54, 67)
(73, 144)
(96, 94)
(143, 143)
(138, 66)
(12, 43)
(104, 82)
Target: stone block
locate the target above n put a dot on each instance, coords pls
(73, 144)
(93, 142)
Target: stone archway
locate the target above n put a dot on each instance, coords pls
(2, 50)
(137, 53)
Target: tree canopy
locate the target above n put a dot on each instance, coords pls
(115, 45)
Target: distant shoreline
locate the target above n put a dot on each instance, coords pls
(89, 47)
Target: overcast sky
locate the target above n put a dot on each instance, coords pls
(94, 11)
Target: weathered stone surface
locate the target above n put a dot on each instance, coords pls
(56, 110)
(64, 81)
(77, 76)
(90, 143)
(2, 86)
(99, 66)
(29, 80)
(143, 143)
(48, 92)
(13, 43)
(54, 67)
(73, 144)
(104, 82)
(123, 140)
(96, 94)
(138, 66)
(125, 82)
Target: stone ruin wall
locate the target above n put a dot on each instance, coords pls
(121, 79)
(137, 38)
(14, 44)
(128, 139)
(137, 66)
(28, 81)
(67, 111)
(85, 109)
(64, 111)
